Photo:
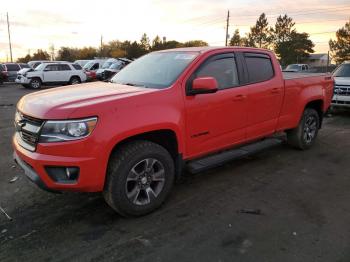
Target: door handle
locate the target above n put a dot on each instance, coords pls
(275, 90)
(239, 97)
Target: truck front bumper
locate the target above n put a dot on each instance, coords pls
(22, 80)
(30, 173)
(45, 169)
(341, 101)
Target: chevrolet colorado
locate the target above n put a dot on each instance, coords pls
(191, 107)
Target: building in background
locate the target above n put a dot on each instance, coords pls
(317, 60)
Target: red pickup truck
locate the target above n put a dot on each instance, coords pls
(191, 108)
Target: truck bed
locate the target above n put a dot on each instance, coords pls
(291, 75)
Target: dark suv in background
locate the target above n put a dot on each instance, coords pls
(11, 69)
(3, 77)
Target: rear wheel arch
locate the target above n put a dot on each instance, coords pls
(74, 77)
(318, 105)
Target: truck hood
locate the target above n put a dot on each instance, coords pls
(61, 102)
(342, 81)
(23, 71)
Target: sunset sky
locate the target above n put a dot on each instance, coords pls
(37, 24)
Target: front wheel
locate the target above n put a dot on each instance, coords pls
(140, 176)
(304, 136)
(35, 83)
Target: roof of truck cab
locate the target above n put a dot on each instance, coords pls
(204, 49)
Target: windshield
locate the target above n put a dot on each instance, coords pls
(40, 67)
(155, 70)
(293, 67)
(342, 71)
(106, 65)
(88, 65)
(116, 65)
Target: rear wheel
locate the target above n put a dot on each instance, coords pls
(139, 178)
(74, 80)
(304, 136)
(35, 83)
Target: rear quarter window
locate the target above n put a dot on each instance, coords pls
(12, 67)
(259, 67)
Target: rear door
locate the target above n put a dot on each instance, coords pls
(65, 72)
(217, 120)
(265, 95)
(51, 73)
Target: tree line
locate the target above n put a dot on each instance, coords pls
(289, 45)
(113, 48)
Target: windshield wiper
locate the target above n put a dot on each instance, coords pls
(132, 84)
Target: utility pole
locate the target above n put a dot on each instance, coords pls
(8, 31)
(227, 25)
(101, 46)
(327, 62)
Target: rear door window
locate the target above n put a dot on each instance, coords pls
(259, 67)
(51, 68)
(64, 67)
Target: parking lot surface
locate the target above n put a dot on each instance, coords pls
(303, 197)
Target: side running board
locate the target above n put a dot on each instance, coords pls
(198, 165)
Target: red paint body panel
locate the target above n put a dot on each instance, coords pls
(202, 124)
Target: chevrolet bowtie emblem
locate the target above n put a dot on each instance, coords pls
(20, 124)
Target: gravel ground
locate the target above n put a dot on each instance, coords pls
(303, 196)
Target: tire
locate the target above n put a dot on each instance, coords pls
(304, 136)
(130, 188)
(35, 83)
(74, 80)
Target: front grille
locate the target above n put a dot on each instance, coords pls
(30, 138)
(340, 102)
(342, 90)
(28, 129)
(32, 119)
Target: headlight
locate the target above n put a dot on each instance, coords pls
(67, 130)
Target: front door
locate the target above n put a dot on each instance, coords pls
(218, 120)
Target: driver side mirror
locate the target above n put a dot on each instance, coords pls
(204, 85)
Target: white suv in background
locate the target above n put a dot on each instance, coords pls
(341, 76)
(53, 73)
